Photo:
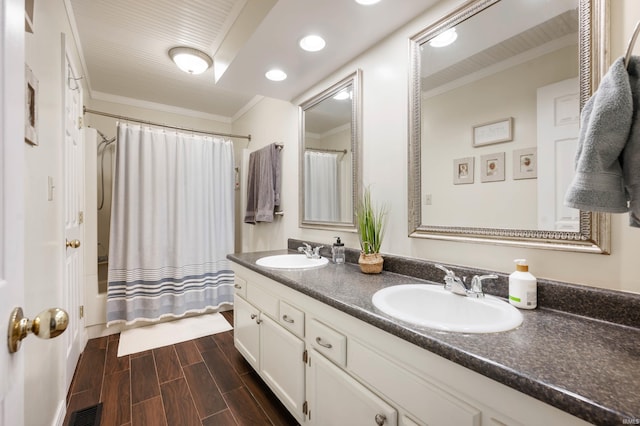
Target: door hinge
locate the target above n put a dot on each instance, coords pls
(305, 356)
(80, 218)
(305, 408)
(81, 311)
(80, 122)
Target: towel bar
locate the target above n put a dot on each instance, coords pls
(280, 213)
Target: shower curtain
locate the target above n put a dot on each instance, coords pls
(322, 189)
(172, 224)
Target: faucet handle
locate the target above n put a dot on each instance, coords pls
(447, 271)
(476, 282)
(316, 250)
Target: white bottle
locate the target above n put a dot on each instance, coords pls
(523, 287)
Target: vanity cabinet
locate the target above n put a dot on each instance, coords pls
(329, 368)
(273, 351)
(335, 398)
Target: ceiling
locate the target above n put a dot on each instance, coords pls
(124, 44)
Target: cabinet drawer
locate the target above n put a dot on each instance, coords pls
(329, 342)
(292, 319)
(240, 286)
(263, 300)
(424, 400)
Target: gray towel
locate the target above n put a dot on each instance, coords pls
(631, 153)
(604, 129)
(263, 187)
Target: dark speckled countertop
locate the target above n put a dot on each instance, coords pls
(586, 365)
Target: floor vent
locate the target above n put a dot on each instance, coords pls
(89, 416)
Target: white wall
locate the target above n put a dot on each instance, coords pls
(385, 118)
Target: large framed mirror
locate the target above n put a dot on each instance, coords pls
(494, 119)
(330, 151)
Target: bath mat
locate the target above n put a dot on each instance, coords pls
(89, 416)
(167, 333)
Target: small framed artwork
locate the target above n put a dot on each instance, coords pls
(525, 163)
(493, 132)
(463, 170)
(31, 108)
(492, 167)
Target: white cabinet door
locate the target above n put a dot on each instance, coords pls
(246, 323)
(335, 398)
(281, 364)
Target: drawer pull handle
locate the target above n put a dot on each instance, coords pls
(381, 419)
(321, 343)
(253, 316)
(238, 286)
(285, 318)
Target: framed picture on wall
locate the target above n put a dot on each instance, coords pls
(492, 167)
(525, 163)
(463, 170)
(31, 107)
(493, 132)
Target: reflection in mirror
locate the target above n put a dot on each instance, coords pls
(329, 149)
(496, 97)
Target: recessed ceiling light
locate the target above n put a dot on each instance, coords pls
(192, 61)
(445, 38)
(367, 2)
(275, 75)
(312, 43)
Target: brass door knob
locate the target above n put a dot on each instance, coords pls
(73, 243)
(46, 325)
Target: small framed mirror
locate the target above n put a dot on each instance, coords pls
(497, 87)
(330, 147)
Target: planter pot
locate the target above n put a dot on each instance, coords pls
(371, 263)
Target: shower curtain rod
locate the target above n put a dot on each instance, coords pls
(341, 151)
(122, 117)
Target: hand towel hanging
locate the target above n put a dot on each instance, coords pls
(263, 186)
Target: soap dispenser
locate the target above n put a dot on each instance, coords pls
(337, 251)
(523, 286)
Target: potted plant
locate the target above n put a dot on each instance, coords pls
(370, 220)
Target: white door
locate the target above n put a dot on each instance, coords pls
(558, 124)
(73, 219)
(337, 399)
(12, 105)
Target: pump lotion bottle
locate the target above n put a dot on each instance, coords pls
(523, 286)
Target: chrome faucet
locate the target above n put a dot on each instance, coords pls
(310, 252)
(457, 286)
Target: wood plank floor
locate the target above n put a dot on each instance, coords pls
(199, 382)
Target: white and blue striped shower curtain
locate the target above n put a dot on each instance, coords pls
(172, 225)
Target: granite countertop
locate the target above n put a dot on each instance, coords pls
(585, 366)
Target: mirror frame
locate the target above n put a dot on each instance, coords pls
(594, 235)
(355, 80)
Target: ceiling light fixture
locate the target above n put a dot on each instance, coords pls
(342, 95)
(192, 61)
(367, 2)
(312, 43)
(444, 39)
(275, 75)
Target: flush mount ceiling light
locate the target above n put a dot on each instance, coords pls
(312, 43)
(367, 2)
(444, 39)
(342, 95)
(192, 61)
(275, 75)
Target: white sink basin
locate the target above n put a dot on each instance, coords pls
(291, 261)
(434, 307)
